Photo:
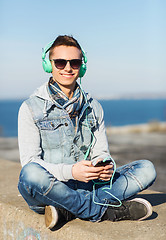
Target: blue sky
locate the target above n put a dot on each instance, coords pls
(125, 42)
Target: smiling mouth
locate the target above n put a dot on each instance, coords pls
(67, 75)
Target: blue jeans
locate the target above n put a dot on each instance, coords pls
(40, 188)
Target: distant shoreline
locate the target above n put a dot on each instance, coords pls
(154, 126)
(157, 96)
(160, 96)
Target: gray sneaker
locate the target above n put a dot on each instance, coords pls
(135, 209)
(54, 215)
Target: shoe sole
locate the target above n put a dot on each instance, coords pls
(51, 216)
(148, 207)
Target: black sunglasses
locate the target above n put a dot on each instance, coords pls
(61, 63)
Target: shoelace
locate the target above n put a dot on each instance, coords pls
(122, 213)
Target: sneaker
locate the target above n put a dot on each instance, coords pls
(53, 215)
(135, 209)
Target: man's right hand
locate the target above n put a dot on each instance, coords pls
(84, 171)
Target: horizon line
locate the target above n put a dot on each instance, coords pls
(129, 96)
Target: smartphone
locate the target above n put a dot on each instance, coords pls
(103, 163)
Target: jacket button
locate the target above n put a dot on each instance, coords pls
(66, 124)
(52, 124)
(76, 159)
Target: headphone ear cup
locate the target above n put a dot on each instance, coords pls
(82, 70)
(47, 65)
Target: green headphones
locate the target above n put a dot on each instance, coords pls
(47, 64)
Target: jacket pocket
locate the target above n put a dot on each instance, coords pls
(51, 133)
(88, 121)
(49, 124)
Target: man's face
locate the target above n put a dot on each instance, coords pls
(67, 76)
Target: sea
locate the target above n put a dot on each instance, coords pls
(119, 112)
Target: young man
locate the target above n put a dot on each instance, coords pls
(61, 139)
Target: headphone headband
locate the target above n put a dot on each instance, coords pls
(47, 64)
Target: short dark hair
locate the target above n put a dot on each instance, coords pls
(64, 40)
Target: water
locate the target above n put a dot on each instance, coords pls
(129, 112)
(9, 116)
(116, 113)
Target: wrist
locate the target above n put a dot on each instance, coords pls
(73, 171)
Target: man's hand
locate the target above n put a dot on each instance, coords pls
(84, 171)
(107, 171)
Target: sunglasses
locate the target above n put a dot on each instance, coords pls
(61, 63)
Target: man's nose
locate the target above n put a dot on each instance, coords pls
(68, 67)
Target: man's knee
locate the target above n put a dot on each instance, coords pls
(32, 174)
(148, 172)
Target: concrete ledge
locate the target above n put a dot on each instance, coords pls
(17, 222)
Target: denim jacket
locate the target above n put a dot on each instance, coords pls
(47, 136)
